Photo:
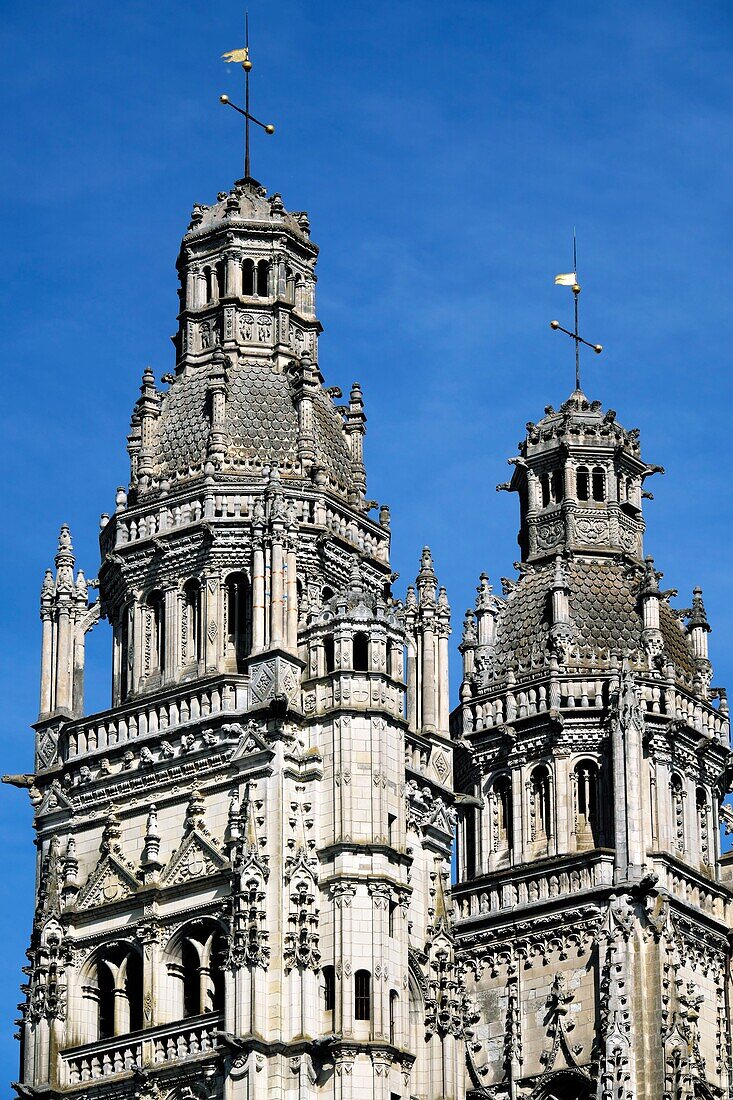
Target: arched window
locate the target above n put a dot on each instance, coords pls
(248, 278)
(583, 483)
(119, 976)
(546, 494)
(585, 779)
(598, 483)
(124, 653)
(191, 979)
(329, 988)
(502, 812)
(156, 631)
(391, 916)
(362, 995)
(239, 618)
(327, 594)
(199, 953)
(191, 626)
(703, 818)
(221, 278)
(106, 1003)
(678, 813)
(263, 276)
(394, 1009)
(289, 285)
(469, 841)
(557, 487)
(209, 278)
(361, 652)
(329, 654)
(629, 490)
(540, 804)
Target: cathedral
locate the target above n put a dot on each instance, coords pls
(245, 887)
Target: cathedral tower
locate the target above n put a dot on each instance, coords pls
(593, 906)
(243, 863)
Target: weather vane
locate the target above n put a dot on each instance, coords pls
(242, 56)
(571, 280)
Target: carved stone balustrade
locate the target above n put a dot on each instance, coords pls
(530, 884)
(173, 710)
(154, 1046)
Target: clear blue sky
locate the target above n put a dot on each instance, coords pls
(444, 151)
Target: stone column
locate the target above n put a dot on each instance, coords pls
(172, 635)
(276, 590)
(427, 675)
(258, 591)
(47, 676)
(234, 274)
(63, 657)
(291, 633)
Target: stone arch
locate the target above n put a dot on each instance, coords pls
(566, 1084)
(111, 984)
(193, 960)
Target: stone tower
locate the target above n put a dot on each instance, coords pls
(593, 907)
(243, 862)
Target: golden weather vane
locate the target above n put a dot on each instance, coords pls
(571, 280)
(241, 56)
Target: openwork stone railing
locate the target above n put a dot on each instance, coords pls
(478, 897)
(511, 703)
(140, 524)
(163, 712)
(684, 884)
(103, 1059)
(168, 1043)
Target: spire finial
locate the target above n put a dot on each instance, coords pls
(242, 56)
(571, 279)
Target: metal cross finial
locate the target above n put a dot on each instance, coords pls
(242, 56)
(571, 280)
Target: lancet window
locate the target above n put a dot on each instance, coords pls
(119, 990)
(586, 791)
(191, 633)
(394, 1011)
(289, 285)
(703, 818)
(263, 279)
(362, 995)
(598, 483)
(196, 970)
(540, 804)
(248, 278)
(329, 988)
(500, 802)
(552, 487)
(329, 654)
(239, 618)
(582, 483)
(678, 812)
(155, 633)
(361, 652)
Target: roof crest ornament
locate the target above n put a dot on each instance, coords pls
(571, 280)
(242, 56)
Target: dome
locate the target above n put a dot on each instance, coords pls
(604, 613)
(260, 425)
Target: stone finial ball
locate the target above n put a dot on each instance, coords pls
(247, 65)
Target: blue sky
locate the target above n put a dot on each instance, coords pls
(444, 153)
